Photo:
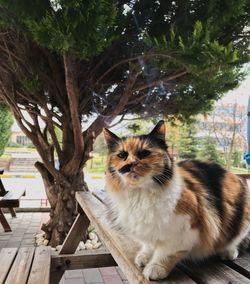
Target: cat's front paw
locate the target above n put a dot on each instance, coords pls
(155, 271)
(141, 259)
(229, 254)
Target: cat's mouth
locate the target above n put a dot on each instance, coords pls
(132, 174)
(129, 171)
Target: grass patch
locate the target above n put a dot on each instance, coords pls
(96, 165)
(240, 170)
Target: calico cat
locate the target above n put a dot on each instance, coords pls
(192, 210)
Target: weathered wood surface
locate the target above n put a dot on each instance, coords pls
(75, 235)
(241, 264)
(40, 271)
(27, 265)
(9, 199)
(4, 222)
(7, 256)
(80, 260)
(21, 267)
(12, 198)
(121, 250)
(214, 271)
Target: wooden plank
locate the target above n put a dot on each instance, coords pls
(75, 235)
(95, 210)
(7, 256)
(11, 198)
(241, 264)
(80, 260)
(2, 189)
(213, 271)
(4, 222)
(12, 212)
(15, 194)
(20, 269)
(40, 271)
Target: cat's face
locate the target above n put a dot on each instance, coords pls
(139, 159)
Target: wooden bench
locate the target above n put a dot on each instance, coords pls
(41, 266)
(10, 200)
(26, 265)
(122, 252)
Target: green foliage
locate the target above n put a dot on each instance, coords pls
(6, 121)
(139, 127)
(237, 159)
(187, 142)
(100, 146)
(208, 150)
(185, 54)
(79, 27)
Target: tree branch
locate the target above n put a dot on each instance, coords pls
(73, 97)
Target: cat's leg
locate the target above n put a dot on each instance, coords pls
(144, 255)
(231, 252)
(172, 250)
(161, 264)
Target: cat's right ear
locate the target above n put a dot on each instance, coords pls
(110, 138)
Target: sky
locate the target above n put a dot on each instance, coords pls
(240, 94)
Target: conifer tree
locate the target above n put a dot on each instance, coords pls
(72, 62)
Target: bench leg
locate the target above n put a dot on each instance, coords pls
(76, 234)
(12, 212)
(4, 222)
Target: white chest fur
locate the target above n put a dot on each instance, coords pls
(147, 213)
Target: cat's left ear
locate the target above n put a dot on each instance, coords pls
(110, 138)
(159, 130)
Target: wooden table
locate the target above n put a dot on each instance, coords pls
(9, 199)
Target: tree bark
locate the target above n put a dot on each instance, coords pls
(61, 196)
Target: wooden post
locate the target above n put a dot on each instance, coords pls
(76, 234)
(4, 222)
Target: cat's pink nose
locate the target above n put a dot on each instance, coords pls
(134, 162)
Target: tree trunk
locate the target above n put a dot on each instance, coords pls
(61, 195)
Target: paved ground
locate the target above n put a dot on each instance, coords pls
(23, 229)
(26, 225)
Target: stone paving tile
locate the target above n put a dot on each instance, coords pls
(11, 244)
(3, 244)
(75, 281)
(71, 274)
(112, 279)
(4, 237)
(92, 276)
(16, 238)
(28, 241)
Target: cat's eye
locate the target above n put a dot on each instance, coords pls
(123, 155)
(143, 154)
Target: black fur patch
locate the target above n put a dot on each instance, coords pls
(125, 169)
(236, 221)
(112, 171)
(210, 175)
(167, 174)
